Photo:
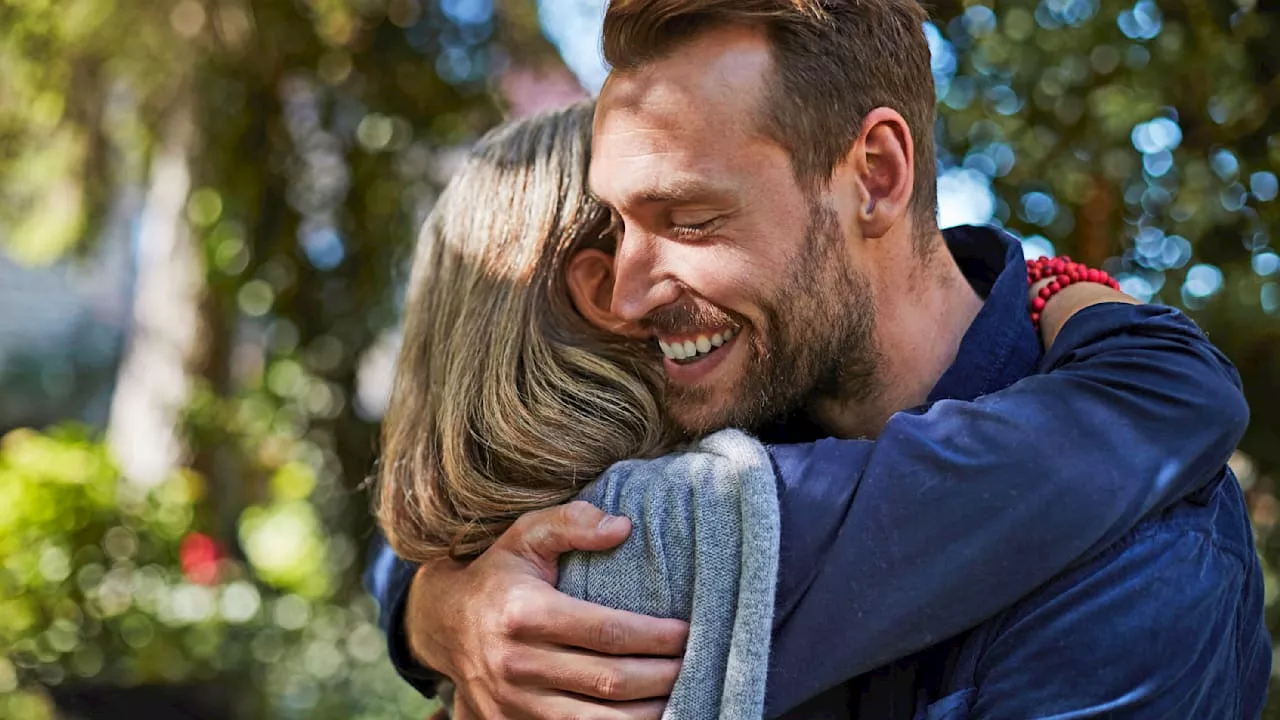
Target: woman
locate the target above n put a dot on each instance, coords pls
(507, 400)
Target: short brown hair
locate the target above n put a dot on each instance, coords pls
(835, 61)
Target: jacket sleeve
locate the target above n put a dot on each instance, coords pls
(960, 509)
(387, 578)
(1166, 623)
(704, 549)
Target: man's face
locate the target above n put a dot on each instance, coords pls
(742, 278)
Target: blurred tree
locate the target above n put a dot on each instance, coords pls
(109, 598)
(1139, 134)
(285, 154)
(278, 157)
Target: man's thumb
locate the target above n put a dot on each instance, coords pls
(543, 536)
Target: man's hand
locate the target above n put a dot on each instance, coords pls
(517, 648)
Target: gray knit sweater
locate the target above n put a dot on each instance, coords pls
(703, 548)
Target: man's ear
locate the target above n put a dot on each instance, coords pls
(882, 160)
(589, 276)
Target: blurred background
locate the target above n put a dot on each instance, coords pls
(206, 212)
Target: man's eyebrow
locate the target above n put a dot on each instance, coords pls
(672, 191)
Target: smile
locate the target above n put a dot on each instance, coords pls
(690, 349)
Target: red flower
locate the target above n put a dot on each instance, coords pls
(199, 555)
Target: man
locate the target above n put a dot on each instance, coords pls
(770, 168)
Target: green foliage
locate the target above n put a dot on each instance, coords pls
(94, 590)
(317, 139)
(1136, 134)
(1139, 135)
(89, 568)
(284, 543)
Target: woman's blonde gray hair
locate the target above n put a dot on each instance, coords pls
(505, 399)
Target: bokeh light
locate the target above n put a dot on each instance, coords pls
(258, 262)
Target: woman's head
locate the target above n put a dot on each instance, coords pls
(506, 399)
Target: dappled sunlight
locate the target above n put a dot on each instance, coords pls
(207, 220)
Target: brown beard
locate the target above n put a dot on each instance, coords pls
(817, 341)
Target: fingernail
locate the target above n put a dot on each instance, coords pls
(611, 522)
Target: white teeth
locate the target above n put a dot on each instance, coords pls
(702, 345)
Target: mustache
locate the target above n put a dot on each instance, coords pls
(685, 317)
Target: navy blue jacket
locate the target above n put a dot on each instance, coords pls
(987, 526)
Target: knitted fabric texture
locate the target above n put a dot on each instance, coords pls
(704, 549)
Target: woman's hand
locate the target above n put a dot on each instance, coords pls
(1068, 301)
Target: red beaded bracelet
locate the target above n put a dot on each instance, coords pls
(1064, 273)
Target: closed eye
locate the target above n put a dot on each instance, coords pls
(695, 230)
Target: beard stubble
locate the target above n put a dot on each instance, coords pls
(817, 341)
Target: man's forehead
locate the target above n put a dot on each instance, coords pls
(677, 125)
(636, 163)
(720, 70)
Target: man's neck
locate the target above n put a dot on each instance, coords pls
(918, 335)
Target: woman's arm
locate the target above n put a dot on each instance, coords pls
(1070, 300)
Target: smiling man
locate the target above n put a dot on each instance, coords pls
(770, 169)
(716, 235)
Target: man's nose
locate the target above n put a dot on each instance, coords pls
(642, 282)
